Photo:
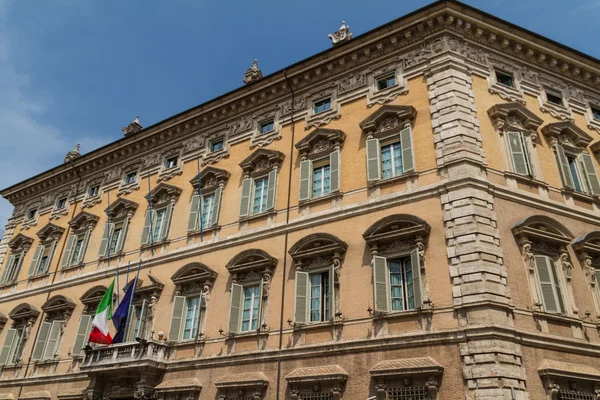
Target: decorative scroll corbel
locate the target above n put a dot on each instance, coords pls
(553, 389)
(566, 264)
(294, 392)
(266, 283)
(528, 256)
(205, 293)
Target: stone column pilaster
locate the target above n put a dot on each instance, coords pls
(9, 230)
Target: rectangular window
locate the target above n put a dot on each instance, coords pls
(130, 178)
(386, 82)
(259, 203)
(322, 105)
(94, 190)
(319, 297)
(45, 260)
(505, 79)
(550, 289)
(115, 236)
(192, 315)
(216, 145)
(31, 213)
(170, 162)
(575, 171)
(250, 308)
(159, 216)
(61, 203)
(12, 269)
(321, 181)
(17, 346)
(520, 156)
(208, 203)
(401, 284)
(76, 253)
(391, 160)
(554, 98)
(267, 127)
(596, 113)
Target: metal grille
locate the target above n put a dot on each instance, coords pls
(575, 395)
(408, 393)
(315, 396)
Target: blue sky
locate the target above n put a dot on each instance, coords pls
(78, 70)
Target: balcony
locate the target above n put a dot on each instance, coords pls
(126, 356)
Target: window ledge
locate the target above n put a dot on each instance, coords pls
(115, 255)
(155, 244)
(216, 156)
(330, 196)
(580, 195)
(395, 179)
(209, 229)
(233, 336)
(557, 317)
(36, 277)
(317, 325)
(258, 216)
(525, 179)
(7, 284)
(188, 342)
(19, 364)
(401, 314)
(46, 362)
(72, 266)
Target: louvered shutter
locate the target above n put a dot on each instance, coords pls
(235, 307)
(380, 284)
(84, 245)
(415, 262)
(549, 299)
(40, 343)
(260, 304)
(166, 222)
(565, 171)
(83, 333)
(557, 288)
(35, 262)
(146, 228)
(245, 202)
(17, 270)
(332, 293)
(590, 173)
(66, 261)
(373, 160)
(194, 211)
(216, 206)
(301, 299)
(7, 348)
(408, 163)
(177, 318)
(305, 180)
(519, 157)
(272, 190)
(143, 319)
(130, 324)
(51, 255)
(334, 171)
(53, 339)
(123, 235)
(108, 228)
(9, 262)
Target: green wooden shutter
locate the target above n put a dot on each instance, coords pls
(53, 339)
(17, 270)
(381, 288)
(408, 163)
(373, 160)
(334, 171)
(146, 228)
(518, 152)
(194, 211)
(9, 262)
(565, 171)
(84, 245)
(272, 190)
(245, 203)
(130, 325)
(83, 333)
(177, 318)
(40, 343)
(302, 297)
(590, 173)
(108, 228)
(331, 293)
(305, 180)
(7, 349)
(166, 222)
(557, 288)
(415, 262)
(143, 318)
(547, 286)
(37, 255)
(123, 235)
(260, 304)
(68, 250)
(235, 307)
(216, 206)
(51, 254)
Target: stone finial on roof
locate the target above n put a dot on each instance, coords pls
(341, 35)
(253, 73)
(73, 154)
(133, 127)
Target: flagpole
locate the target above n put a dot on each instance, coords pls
(200, 202)
(150, 211)
(117, 273)
(129, 317)
(127, 277)
(108, 229)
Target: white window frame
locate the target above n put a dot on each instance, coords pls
(155, 226)
(257, 298)
(330, 295)
(195, 316)
(127, 175)
(263, 197)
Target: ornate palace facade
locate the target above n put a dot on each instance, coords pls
(411, 214)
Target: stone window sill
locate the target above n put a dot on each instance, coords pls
(8, 284)
(327, 197)
(114, 255)
(401, 314)
(189, 342)
(507, 92)
(72, 266)
(36, 277)
(242, 335)
(215, 156)
(258, 216)
(557, 317)
(155, 244)
(46, 362)
(206, 230)
(395, 179)
(525, 179)
(316, 325)
(580, 195)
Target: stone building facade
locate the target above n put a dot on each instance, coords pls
(411, 214)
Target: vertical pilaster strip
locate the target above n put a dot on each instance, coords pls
(9, 230)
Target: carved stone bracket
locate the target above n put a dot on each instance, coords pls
(387, 120)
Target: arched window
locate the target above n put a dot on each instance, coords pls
(23, 317)
(587, 248)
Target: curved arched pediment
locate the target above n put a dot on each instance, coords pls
(252, 259)
(24, 311)
(396, 227)
(93, 295)
(590, 243)
(542, 228)
(193, 272)
(318, 245)
(58, 303)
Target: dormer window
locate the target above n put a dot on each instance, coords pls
(322, 105)
(93, 190)
(61, 203)
(170, 162)
(130, 178)
(386, 81)
(505, 79)
(267, 126)
(216, 145)
(554, 97)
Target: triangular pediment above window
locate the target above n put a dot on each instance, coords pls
(20, 242)
(121, 208)
(163, 193)
(321, 141)
(567, 133)
(543, 229)
(50, 231)
(262, 160)
(402, 230)
(83, 220)
(210, 178)
(388, 119)
(514, 115)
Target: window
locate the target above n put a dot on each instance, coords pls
(61, 203)
(158, 216)
(42, 258)
(157, 226)
(521, 161)
(115, 237)
(136, 326)
(391, 160)
(314, 296)
(259, 202)
(192, 312)
(13, 346)
(186, 318)
(31, 213)
(170, 162)
(75, 249)
(554, 98)
(130, 178)
(596, 113)
(93, 190)
(12, 268)
(549, 286)
(322, 105)
(47, 341)
(321, 181)
(266, 127)
(251, 308)
(397, 282)
(386, 82)
(216, 145)
(320, 297)
(244, 312)
(505, 78)
(83, 333)
(211, 204)
(260, 182)
(578, 171)
(45, 261)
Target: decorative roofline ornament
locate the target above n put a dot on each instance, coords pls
(73, 154)
(341, 35)
(253, 73)
(133, 127)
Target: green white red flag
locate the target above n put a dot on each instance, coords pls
(100, 333)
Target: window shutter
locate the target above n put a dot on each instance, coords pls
(84, 245)
(590, 173)
(332, 293)
(17, 270)
(142, 330)
(9, 262)
(123, 235)
(40, 343)
(235, 307)
(373, 160)
(546, 284)
(245, 203)
(271, 192)
(130, 325)
(68, 249)
(146, 228)
(53, 339)
(408, 163)
(380, 284)
(301, 300)
(558, 292)
(177, 318)
(334, 170)
(51, 254)
(260, 304)
(83, 332)
(108, 228)
(519, 157)
(415, 262)
(166, 223)
(33, 268)
(305, 180)
(563, 163)
(194, 211)
(7, 349)
(216, 207)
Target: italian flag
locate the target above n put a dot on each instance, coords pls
(99, 333)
